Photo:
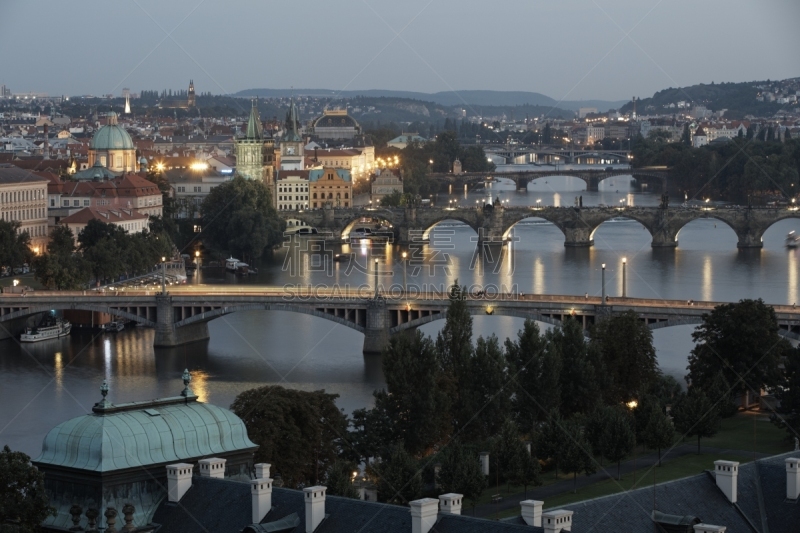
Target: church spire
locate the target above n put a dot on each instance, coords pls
(254, 124)
(292, 120)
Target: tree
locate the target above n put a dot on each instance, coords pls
(686, 137)
(787, 415)
(619, 437)
(659, 432)
(486, 395)
(514, 462)
(398, 475)
(61, 267)
(14, 245)
(413, 401)
(454, 346)
(238, 218)
(23, 501)
(741, 341)
(338, 479)
(460, 471)
(625, 346)
(299, 432)
(578, 382)
(525, 368)
(573, 454)
(696, 416)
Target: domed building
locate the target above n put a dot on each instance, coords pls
(117, 456)
(113, 148)
(336, 124)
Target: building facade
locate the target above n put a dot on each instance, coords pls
(385, 183)
(332, 186)
(23, 198)
(336, 124)
(254, 152)
(292, 190)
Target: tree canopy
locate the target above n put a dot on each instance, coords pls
(23, 501)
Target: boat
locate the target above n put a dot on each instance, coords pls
(242, 268)
(230, 264)
(792, 240)
(113, 327)
(54, 330)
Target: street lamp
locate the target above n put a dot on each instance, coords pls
(624, 288)
(376, 277)
(538, 203)
(163, 276)
(603, 282)
(405, 285)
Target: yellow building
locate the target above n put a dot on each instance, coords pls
(23, 198)
(330, 185)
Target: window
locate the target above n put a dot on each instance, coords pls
(198, 189)
(65, 203)
(181, 189)
(52, 202)
(86, 203)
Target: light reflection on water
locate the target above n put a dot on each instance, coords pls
(44, 384)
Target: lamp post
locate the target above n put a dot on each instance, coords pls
(603, 282)
(624, 287)
(163, 276)
(405, 285)
(376, 277)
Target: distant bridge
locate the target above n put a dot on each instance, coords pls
(182, 315)
(551, 154)
(577, 224)
(655, 179)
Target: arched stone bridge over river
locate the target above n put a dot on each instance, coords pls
(182, 315)
(578, 225)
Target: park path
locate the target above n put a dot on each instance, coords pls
(641, 464)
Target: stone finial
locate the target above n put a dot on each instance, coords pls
(76, 511)
(128, 511)
(104, 391)
(187, 378)
(91, 516)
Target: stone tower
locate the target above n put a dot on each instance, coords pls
(292, 147)
(250, 148)
(191, 100)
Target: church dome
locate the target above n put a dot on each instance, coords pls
(112, 137)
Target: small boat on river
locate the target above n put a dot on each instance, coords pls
(53, 330)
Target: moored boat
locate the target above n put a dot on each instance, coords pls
(792, 240)
(59, 328)
(231, 263)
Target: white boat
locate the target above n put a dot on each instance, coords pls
(242, 268)
(792, 240)
(230, 264)
(117, 325)
(60, 328)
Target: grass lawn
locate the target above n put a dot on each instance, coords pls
(749, 430)
(688, 465)
(24, 279)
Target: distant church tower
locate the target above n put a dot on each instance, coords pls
(191, 101)
(127, 104)
(292, 147)
(254, 151)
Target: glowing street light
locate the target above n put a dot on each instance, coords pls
(405, 286)
(624, 288)
(163, 276)
(603, 282)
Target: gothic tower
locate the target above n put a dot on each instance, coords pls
(191, 101)
(292, 147)
(250, 148)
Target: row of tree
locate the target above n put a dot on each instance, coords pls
(738, 171)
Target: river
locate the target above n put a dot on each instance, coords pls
(44, 384)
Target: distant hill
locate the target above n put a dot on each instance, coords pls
(738, 98)
(446, 98)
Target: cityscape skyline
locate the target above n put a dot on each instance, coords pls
(572, 50)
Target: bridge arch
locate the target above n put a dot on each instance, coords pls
(479, 311)
(37, 308)
(369, 218)
(622, 215)
(707, 215)
(350, 319)
(783, 216)
(532, 216)
(452, 217)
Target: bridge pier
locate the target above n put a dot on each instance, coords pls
(664, 240)
(376, 332)
(578, 237)
(749, 240)
(167, 335)
(592, 184)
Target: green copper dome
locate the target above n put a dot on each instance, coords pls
(112, 137)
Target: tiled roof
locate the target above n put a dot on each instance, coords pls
(12, 174)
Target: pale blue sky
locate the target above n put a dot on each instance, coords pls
(566, 49)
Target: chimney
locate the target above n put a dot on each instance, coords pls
(792, 478)
(450, 503)
(726, 473)
(315, 506)
(179, 480)
(423, 514)
(485, 463)
(262, 470)
(532, 512)
(212, 467)
(556, 521)
(708, 528)
(261, 494)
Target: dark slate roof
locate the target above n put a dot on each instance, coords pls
(699, 496)
(224, 506)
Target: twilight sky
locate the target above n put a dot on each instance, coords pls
(566, 49)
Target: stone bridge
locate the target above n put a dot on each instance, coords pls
(655, 179)
(552, 153)
(578, 225)
(182, 316)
